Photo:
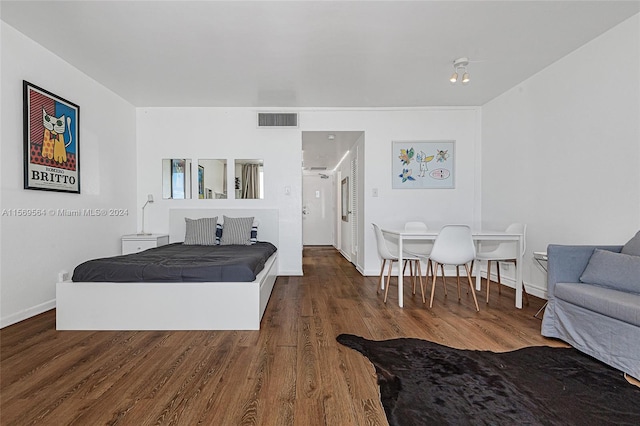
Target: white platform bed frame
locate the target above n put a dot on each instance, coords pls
(174, 306)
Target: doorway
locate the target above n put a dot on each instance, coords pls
(327, 158)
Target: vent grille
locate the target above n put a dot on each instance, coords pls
(277, 119)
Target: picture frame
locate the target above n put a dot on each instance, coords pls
(345, 199)
(51, 135)
(423, 164)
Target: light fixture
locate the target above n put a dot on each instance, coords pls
(149, 200)
(340, 162)
(460, 65)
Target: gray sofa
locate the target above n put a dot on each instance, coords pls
(594, 303)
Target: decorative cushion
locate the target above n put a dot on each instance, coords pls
(254, 232)
(236, 230)
(200, 232)
(613, 270)
(218, 233)
(633, 246)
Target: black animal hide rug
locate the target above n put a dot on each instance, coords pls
(424, 383)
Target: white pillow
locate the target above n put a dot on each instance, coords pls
(200, 232)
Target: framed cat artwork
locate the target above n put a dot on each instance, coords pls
(51, 141)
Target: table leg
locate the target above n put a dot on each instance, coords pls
(519, 274)
(541, 309)
(400, 273)
(478, 266)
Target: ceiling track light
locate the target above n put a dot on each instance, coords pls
(460, 66)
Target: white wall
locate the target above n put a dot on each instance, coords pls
(225, 134)
(34, 250)
(346, 245)
(561, 150)
(231, 133)
(393, 207)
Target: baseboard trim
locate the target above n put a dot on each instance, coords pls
(532, 289)
(345, 255)
(292, 273)
(27, 313)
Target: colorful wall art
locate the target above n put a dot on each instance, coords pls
(423, 164)
(51, 141)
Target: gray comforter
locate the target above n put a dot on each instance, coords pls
(180, 263)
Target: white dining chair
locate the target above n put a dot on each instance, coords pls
(453, 246)
(506, 251)
(388, 251)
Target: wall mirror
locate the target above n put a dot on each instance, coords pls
(212, 179)
(249, 179)
(345, 199)
(176, 178)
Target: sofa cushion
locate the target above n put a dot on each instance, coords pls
(606, 301)
(632, 246)
(614, 270)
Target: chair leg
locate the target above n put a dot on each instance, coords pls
(444, 280)
(426, 277)
(404, 268)
(473, 292)
(429, 270)
(499, 279)
(458, 280)
(421, 283)
(414, 273)
(381, 279)
(489, 278)
(413, 281)
(386, 289)
(433, 286)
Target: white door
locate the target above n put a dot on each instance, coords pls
(318, 207)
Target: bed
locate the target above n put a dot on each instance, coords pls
(168, 304)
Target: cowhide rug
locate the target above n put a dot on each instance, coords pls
(424, 383)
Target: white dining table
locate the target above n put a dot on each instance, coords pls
(478, 236)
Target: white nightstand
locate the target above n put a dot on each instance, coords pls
(135, 243)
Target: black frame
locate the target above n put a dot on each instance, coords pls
(52, 175)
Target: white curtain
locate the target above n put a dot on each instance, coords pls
(250, 181)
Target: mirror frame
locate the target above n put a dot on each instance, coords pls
(345, 199)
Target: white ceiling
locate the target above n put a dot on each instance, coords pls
(293, 54)
(310, 53)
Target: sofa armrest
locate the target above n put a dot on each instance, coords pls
(567, 263)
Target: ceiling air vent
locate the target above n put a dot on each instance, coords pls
(277, 119)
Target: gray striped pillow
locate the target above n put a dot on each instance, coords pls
(201, 232)
(236, 230)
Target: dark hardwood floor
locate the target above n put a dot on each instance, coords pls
(291, 372)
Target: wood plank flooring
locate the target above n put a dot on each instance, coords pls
(291, 372)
